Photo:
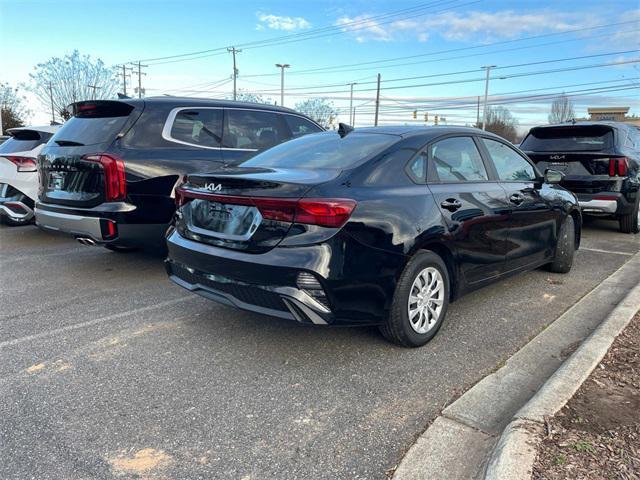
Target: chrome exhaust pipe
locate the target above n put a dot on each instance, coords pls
(27, 211)
(86, 241)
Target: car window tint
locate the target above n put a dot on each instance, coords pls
(300, 126)
(254, 130)
(324, 150)
(417, 168)
(457, 160)
(13, 145)
(198, 126)
(509, 164)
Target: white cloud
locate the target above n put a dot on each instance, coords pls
(279, 22)
(483, 26)
(364, 28)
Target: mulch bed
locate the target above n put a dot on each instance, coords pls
(597, 434)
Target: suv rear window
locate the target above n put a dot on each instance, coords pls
(23, 141)
(93, 122)
(568, 139)
(323, 150)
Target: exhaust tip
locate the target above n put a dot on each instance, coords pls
(86, 241)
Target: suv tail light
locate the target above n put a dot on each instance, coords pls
(324, 212)
(618, 166)
(24, 164)
(115, 184)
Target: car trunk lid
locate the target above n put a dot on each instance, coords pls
(251, 208)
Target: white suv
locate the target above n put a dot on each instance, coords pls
(18, 173)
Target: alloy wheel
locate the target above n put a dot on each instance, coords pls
(426, 299)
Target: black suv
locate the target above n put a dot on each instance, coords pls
(377, 226)
(600, 161)
(107, 176)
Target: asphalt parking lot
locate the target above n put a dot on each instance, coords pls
(107, 370)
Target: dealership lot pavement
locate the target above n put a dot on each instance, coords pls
(108, 370)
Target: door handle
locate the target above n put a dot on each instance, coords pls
(451, 204)
(516, 198)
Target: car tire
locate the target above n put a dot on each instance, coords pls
(629, 223)
(565, 248)
(413, 323)
(119, 248)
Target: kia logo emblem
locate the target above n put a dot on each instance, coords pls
(213, 187)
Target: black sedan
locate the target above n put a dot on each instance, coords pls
(377, 226)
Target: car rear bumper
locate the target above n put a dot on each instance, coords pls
(604, 203)
(267, 283)
(92, 224)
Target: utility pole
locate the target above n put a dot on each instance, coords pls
(281, 66)
(234, 50)
(375, 121)
(351, 118)
(140, 73)
(124, 78)
(53, 110)
(486, 94)
(94, 88)
(478, 112)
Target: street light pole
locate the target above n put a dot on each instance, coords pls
(282, 66)
(486, 95)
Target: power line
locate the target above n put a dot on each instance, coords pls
(452, 50)
(460, 72)
(343, 28)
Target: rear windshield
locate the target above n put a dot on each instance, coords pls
(26, 142)
(93, 122)
(568, 139)
(323, 150)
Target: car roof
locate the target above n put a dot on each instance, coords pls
(587, 123)
(207, 102)
(407, 131)
(41, 128)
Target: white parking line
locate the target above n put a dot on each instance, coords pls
(606, 251)
(89, 323)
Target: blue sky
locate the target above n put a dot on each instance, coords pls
(442, 36)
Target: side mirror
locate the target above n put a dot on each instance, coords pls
(553, 177)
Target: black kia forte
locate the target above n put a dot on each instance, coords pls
(376, 226)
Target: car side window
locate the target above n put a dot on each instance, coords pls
(253, 129)
(300, 126)
(457, 159)
(198, 126)
(509, 164)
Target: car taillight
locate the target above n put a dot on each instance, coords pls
(115, 184)
(618, 166)
(329, 212)
(324, 212)
(24, 164)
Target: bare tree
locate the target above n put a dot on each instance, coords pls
(12, 107)
(501, 122)
(252, 98)
(319, 109)
(73, 78)
(561, 110)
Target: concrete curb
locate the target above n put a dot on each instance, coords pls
(515, 452)
(480, 426)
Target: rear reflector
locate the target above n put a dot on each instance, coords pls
(109, 229)
(24, 164)
(618, 167)
(115, 184)
(324, 212)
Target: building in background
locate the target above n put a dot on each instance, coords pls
(616, 114)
